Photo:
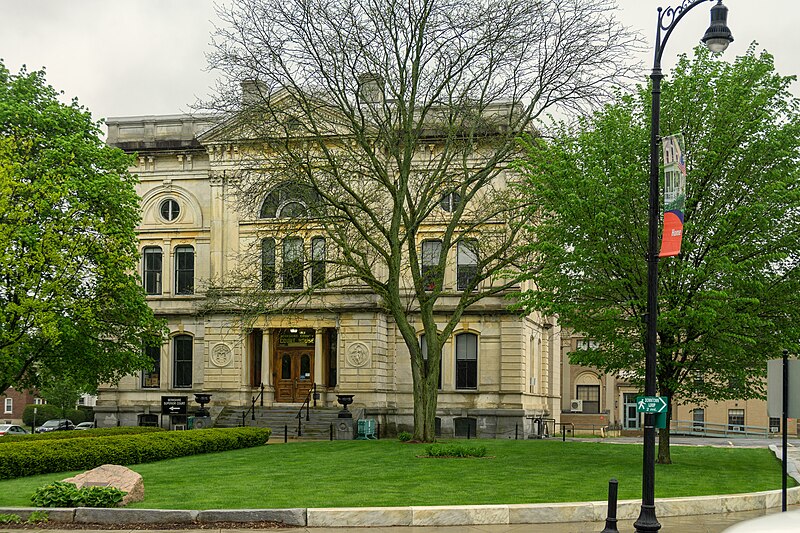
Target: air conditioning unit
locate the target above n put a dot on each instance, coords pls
(774, 429)
(576, 406)
(179, 427)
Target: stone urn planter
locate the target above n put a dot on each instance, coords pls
(345, 400)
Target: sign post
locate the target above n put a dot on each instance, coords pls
(174, 405)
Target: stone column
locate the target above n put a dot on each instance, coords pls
(266, 376)
(318, 356)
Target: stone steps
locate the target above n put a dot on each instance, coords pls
(281, 419)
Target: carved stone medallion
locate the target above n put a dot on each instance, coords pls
(358, 354)
(221, 355)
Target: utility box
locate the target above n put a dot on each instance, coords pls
(366, 429)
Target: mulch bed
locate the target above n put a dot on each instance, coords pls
(159, 526)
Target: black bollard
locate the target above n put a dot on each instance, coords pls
(378, 431)
(285, 433)
(563, 433)
(516, 431)
(611, 521)
(331, 431)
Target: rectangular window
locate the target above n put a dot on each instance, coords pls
(590, 394)
(182, 356)
(268, 264)
(774, 424)
(466, 361)
(39, 401)
(699, 419)
(318, 262)
(735, 419)
(151, 379)
(152, 270)
(9, 407)
(467, 264)
(293, 263)
(431, 251)
(184, 270)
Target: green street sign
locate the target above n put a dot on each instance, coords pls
(652, 404)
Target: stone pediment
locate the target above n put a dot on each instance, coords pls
(277, 116)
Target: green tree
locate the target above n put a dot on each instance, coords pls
(401, 118)
(729, 301)
(70, 301)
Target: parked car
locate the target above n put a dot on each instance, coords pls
(57, 424)
(11, 429)
(86, 425)
(772, 523)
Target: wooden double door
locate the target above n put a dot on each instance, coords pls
(295, 371)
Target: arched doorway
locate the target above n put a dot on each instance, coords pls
(293, 364)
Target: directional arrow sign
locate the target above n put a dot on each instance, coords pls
(652, 404)
(174, 405)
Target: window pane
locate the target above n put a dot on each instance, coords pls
(286, 367)
(590, 394)
(317, 261)
(184, 270)
(293, 263)
(152, 270)
(466, 361)
(305, 367)
(170, 209)
(152, 379)
(268, 264)
(467, 261)
(182, 346)
(736, 419)
(431, 251)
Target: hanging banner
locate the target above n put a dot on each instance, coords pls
(674, 195)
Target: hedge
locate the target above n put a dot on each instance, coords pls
(80, 434)
(23, 458)
(47, 412)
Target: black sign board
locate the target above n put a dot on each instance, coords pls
(174, 405)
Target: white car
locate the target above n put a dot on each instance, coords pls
(788, 522)
(11, 429)
(85, 425)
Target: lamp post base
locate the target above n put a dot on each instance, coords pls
(647, 522)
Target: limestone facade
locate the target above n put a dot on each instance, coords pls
(343, 341)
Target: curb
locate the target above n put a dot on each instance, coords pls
(542, 513)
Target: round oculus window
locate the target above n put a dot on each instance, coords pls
(170, 209)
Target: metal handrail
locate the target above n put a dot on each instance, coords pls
(252, 409)
(711, 429)
(312, 393)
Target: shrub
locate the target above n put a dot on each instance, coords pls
(28, 458)
(404, 436)
(61, 494)
(454, 450)
(6, 518)
(81, 434)
(38, 517)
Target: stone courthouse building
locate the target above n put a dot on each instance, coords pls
(499, 369)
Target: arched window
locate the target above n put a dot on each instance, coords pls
(466, 361)
(151, 272)
(587, 390)
(184, 270)
(182, 361)
(289, 200)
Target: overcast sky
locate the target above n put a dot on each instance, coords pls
(145, 57)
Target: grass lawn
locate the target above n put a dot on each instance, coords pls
(389, 473)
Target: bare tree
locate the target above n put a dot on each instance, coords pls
(395, 122)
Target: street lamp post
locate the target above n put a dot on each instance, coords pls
(716, 38)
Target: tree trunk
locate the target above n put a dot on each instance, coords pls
(425, 397)
(663, 440)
